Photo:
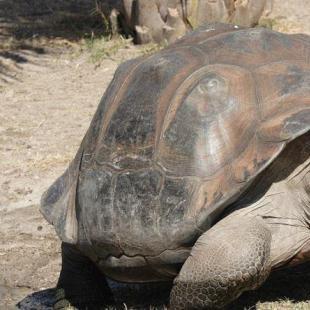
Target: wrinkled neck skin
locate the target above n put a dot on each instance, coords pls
(281, 197)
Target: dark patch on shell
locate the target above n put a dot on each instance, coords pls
(295, 79)
(297, 122)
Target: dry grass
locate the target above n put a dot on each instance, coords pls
(278, 24)
(152, 48)
(102, 47)
(283, 304)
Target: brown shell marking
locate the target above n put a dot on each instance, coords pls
(283, 90)
(255, 47)
(223, 121)
(129, 127)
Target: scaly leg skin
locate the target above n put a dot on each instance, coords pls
(230, 258)
(81, 284)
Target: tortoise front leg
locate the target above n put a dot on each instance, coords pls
(230, 258)
(80, 283)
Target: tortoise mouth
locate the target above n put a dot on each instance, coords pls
(138, 268)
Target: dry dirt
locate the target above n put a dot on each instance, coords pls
(48, 94)
(46, 106)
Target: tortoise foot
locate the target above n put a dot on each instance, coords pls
(227, 260)
(81, 285)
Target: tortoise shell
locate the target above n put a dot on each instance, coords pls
(178, 136)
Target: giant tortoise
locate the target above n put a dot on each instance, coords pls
(195, 169)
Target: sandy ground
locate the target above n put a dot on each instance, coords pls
(48, 94)
(291, 16)
(45, 109)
